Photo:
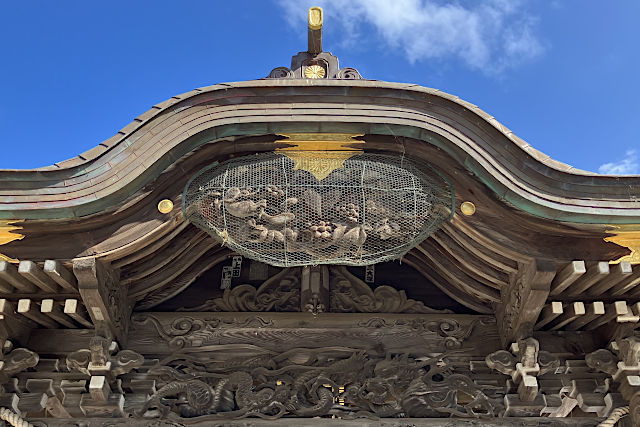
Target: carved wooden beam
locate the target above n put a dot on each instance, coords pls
(105, 299)
(523, 299)
(624, 369)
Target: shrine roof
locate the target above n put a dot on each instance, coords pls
(109, 173)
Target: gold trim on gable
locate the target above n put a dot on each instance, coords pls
(319, 153)
(8, 234)
(629, 237)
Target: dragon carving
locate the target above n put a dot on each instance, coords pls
(314, 382)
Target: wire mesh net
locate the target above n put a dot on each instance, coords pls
(374, 208)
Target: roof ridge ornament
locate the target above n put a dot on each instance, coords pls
(314, 63)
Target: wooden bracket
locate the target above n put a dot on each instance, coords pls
(105, 299)
(523, 299)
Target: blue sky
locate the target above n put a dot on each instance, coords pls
(563, 75)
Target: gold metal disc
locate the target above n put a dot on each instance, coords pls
(314, 72)
(468, 208)
(165, 206)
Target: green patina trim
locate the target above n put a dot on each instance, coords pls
(254, 129)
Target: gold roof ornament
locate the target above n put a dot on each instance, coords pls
(319, 153)
(315, 63)
(629, 237)
(468, 208)
(314, 34)
(165, 206)
(315, 18)
(8, 234)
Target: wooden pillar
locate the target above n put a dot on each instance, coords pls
(524, 298)
(105, 299)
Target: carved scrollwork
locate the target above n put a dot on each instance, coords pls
(523, 364)
(279, 293)
(502, 361)
(602, 360)
(16, 361)
(187, 331)
(349, 294)
(78, 361)
(280, 73)
(453, 332)
(348, 73)
(99, 357)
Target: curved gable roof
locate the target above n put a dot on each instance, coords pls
(108, 174)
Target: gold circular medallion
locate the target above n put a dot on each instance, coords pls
(314, 72)
(165, 206)
(468, 208)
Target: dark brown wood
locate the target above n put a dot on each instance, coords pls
(549, 312)
(105, 299)
(572, 312)
(59, 273)
(595, 273)
(52, 309)
(618, 273)
(31, 310)
(322, 422)
(565, 277)
(396, 333)
(9, 274)
(32, 272)
(76, 311)
(523, 299)
(593, 310)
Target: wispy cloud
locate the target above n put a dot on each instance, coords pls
(627, 166)
(486, 35)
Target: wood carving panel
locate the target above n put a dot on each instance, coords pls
(315, 382)
(164, 333)
(347, 294)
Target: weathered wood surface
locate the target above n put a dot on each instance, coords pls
(59, 273)
(32, 272)
(105, 299)
(317, 422)
(565, 277)
(9, 275)
(163, 333)
(523, 299)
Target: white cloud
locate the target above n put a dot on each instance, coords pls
(487, 35)
(627, 166)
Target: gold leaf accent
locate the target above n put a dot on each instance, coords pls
(7, 234)
(315, 18)
(165, 206)
(314, 72)
(627, 236)
(319, 153)
(318, 163)
(468, 208)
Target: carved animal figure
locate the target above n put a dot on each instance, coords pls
(277, 220)
(200, 397)
(245, 208)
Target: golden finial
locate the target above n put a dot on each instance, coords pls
(315, 30)
(315, 18)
